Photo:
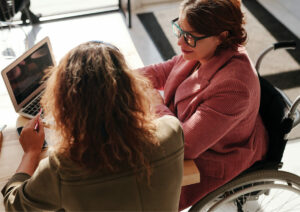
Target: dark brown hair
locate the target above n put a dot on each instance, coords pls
(212, 17)
(100, 109)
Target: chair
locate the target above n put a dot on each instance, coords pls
(8, 9)
(11, 40)
(254, 189)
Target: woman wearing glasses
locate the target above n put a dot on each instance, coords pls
(214, 91)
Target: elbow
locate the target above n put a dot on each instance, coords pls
(10, 200)
(190, 153)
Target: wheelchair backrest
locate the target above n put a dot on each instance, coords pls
(272, 110)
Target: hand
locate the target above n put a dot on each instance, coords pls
(32, 140)
(156, 98)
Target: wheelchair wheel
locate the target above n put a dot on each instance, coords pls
(264, 190)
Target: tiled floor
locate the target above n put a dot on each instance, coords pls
(134, 43)
(287, 11)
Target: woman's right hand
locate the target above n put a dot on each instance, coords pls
(156, 98)
(32, 139)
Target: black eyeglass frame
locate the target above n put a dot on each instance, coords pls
(184, 33)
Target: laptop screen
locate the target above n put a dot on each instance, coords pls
(27, 75)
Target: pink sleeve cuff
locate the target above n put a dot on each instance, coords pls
(162, 110)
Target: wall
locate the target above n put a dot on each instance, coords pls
(136, 4)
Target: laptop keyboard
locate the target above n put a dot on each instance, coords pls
(33, 107)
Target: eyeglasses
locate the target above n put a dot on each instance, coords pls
(189, 39)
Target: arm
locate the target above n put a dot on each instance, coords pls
(157, 104)
(215, 117)
(159, 73)
(20, 193)
(32, 142)
(41, 191)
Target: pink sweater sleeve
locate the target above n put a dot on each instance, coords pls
(159, 73)
(162, 110)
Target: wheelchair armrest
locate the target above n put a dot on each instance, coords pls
(293, 112)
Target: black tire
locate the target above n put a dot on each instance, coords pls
(254, 186)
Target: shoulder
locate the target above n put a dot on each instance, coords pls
(238, 68)
(50, 163)
(167, 120)
(240, 64)
(54, 160)
(242, 60)
(167, 126)
(170, 134)
(60, 163)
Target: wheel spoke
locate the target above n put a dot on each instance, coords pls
(260, 191)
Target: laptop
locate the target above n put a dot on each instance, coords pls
(24, 78)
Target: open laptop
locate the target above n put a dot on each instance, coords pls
(24, 78)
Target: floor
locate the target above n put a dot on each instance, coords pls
(287, 11)
(135, 44)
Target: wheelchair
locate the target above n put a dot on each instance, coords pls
(263, 187)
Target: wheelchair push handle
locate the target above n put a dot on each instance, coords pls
(285, 45)
(294, 113)
(275, 46)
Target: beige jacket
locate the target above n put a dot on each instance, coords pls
(60, 184)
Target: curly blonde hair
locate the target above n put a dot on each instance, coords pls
(100, 108)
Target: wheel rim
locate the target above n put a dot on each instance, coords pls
(274, 195)
(262, 190)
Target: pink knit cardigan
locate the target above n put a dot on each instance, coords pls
(218, 110)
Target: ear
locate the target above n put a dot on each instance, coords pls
(222, 36)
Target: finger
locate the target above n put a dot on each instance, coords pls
(31, 123)
(35, 120)
(41, 127)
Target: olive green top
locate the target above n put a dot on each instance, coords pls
(58, 183)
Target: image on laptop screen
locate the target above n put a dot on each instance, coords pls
(27, 75)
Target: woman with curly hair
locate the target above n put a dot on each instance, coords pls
(111, 152)
(213, 89)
